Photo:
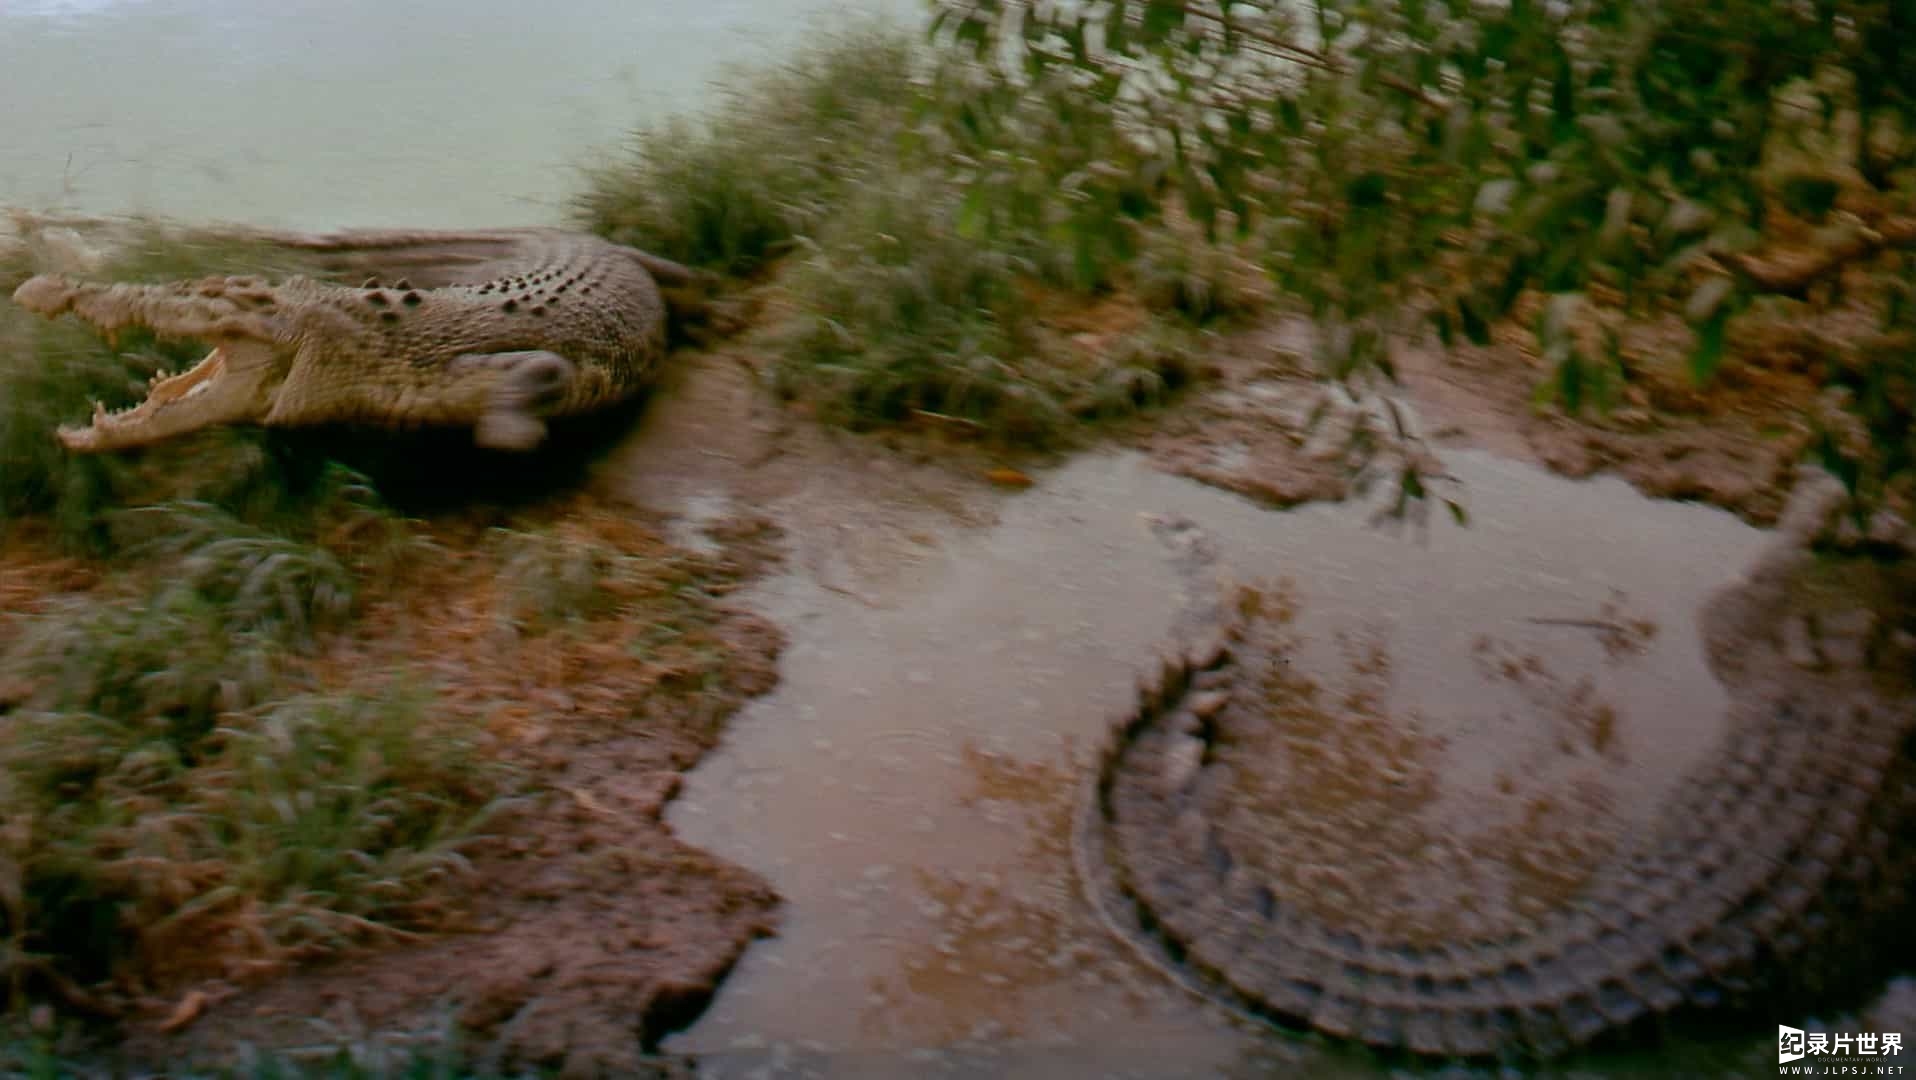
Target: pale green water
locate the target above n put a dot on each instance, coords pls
(330, 113)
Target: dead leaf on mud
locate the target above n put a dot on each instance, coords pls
(588, 803)
(187, 1011)
(1008, 478)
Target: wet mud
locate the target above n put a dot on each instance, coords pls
(1437, 733)
(956, 653)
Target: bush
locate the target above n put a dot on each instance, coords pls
(1413, 165)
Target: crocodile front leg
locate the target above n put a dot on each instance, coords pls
(534, 382)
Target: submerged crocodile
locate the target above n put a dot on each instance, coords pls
(503, 330)
(1777, 875)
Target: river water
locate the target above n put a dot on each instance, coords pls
(318, 114)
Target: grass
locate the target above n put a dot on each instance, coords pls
(177, 797)
(143, 847)
(898, 315)
(549, 579)
(600, 590)
(39, 1056)
(771, 164)
(924, 254)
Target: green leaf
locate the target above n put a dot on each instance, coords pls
(1161, 17)
(1475, 327)
(1572, 380)
(1116, 34)
(1504, 295)
(1290, 115)
(1085, 269)
(1367, 190)
(1563, 98)
(1707, 357)
(1074, 35)
(972, 32)
(974, 214)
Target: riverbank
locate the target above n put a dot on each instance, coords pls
(910, 513)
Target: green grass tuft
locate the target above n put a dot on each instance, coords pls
(140, 845)
(900, 315)
(922, 215)
(769, 164)
(549, 580)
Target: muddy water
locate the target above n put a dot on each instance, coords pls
(908, 786)
(430, 113)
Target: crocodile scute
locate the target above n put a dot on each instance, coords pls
(1779, 873)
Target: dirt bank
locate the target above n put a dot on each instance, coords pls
(594, 931)
(585, 930)
(1263, 427)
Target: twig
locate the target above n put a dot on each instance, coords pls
(1582, 624)
(1792, 276)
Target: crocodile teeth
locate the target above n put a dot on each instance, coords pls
(99, 412)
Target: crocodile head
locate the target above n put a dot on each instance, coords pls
(232, 385)
(235, 383)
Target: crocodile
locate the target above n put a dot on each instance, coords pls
(1779, 874)
(496, 331)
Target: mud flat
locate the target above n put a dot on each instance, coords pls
(1534, 686)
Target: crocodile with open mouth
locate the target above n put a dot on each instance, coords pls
(497, 331)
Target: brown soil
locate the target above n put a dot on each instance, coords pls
(596, 931)
(31, 575)
(1258, 429)
(586, 930)
(1733, 443)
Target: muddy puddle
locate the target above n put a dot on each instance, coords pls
(956, 655)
